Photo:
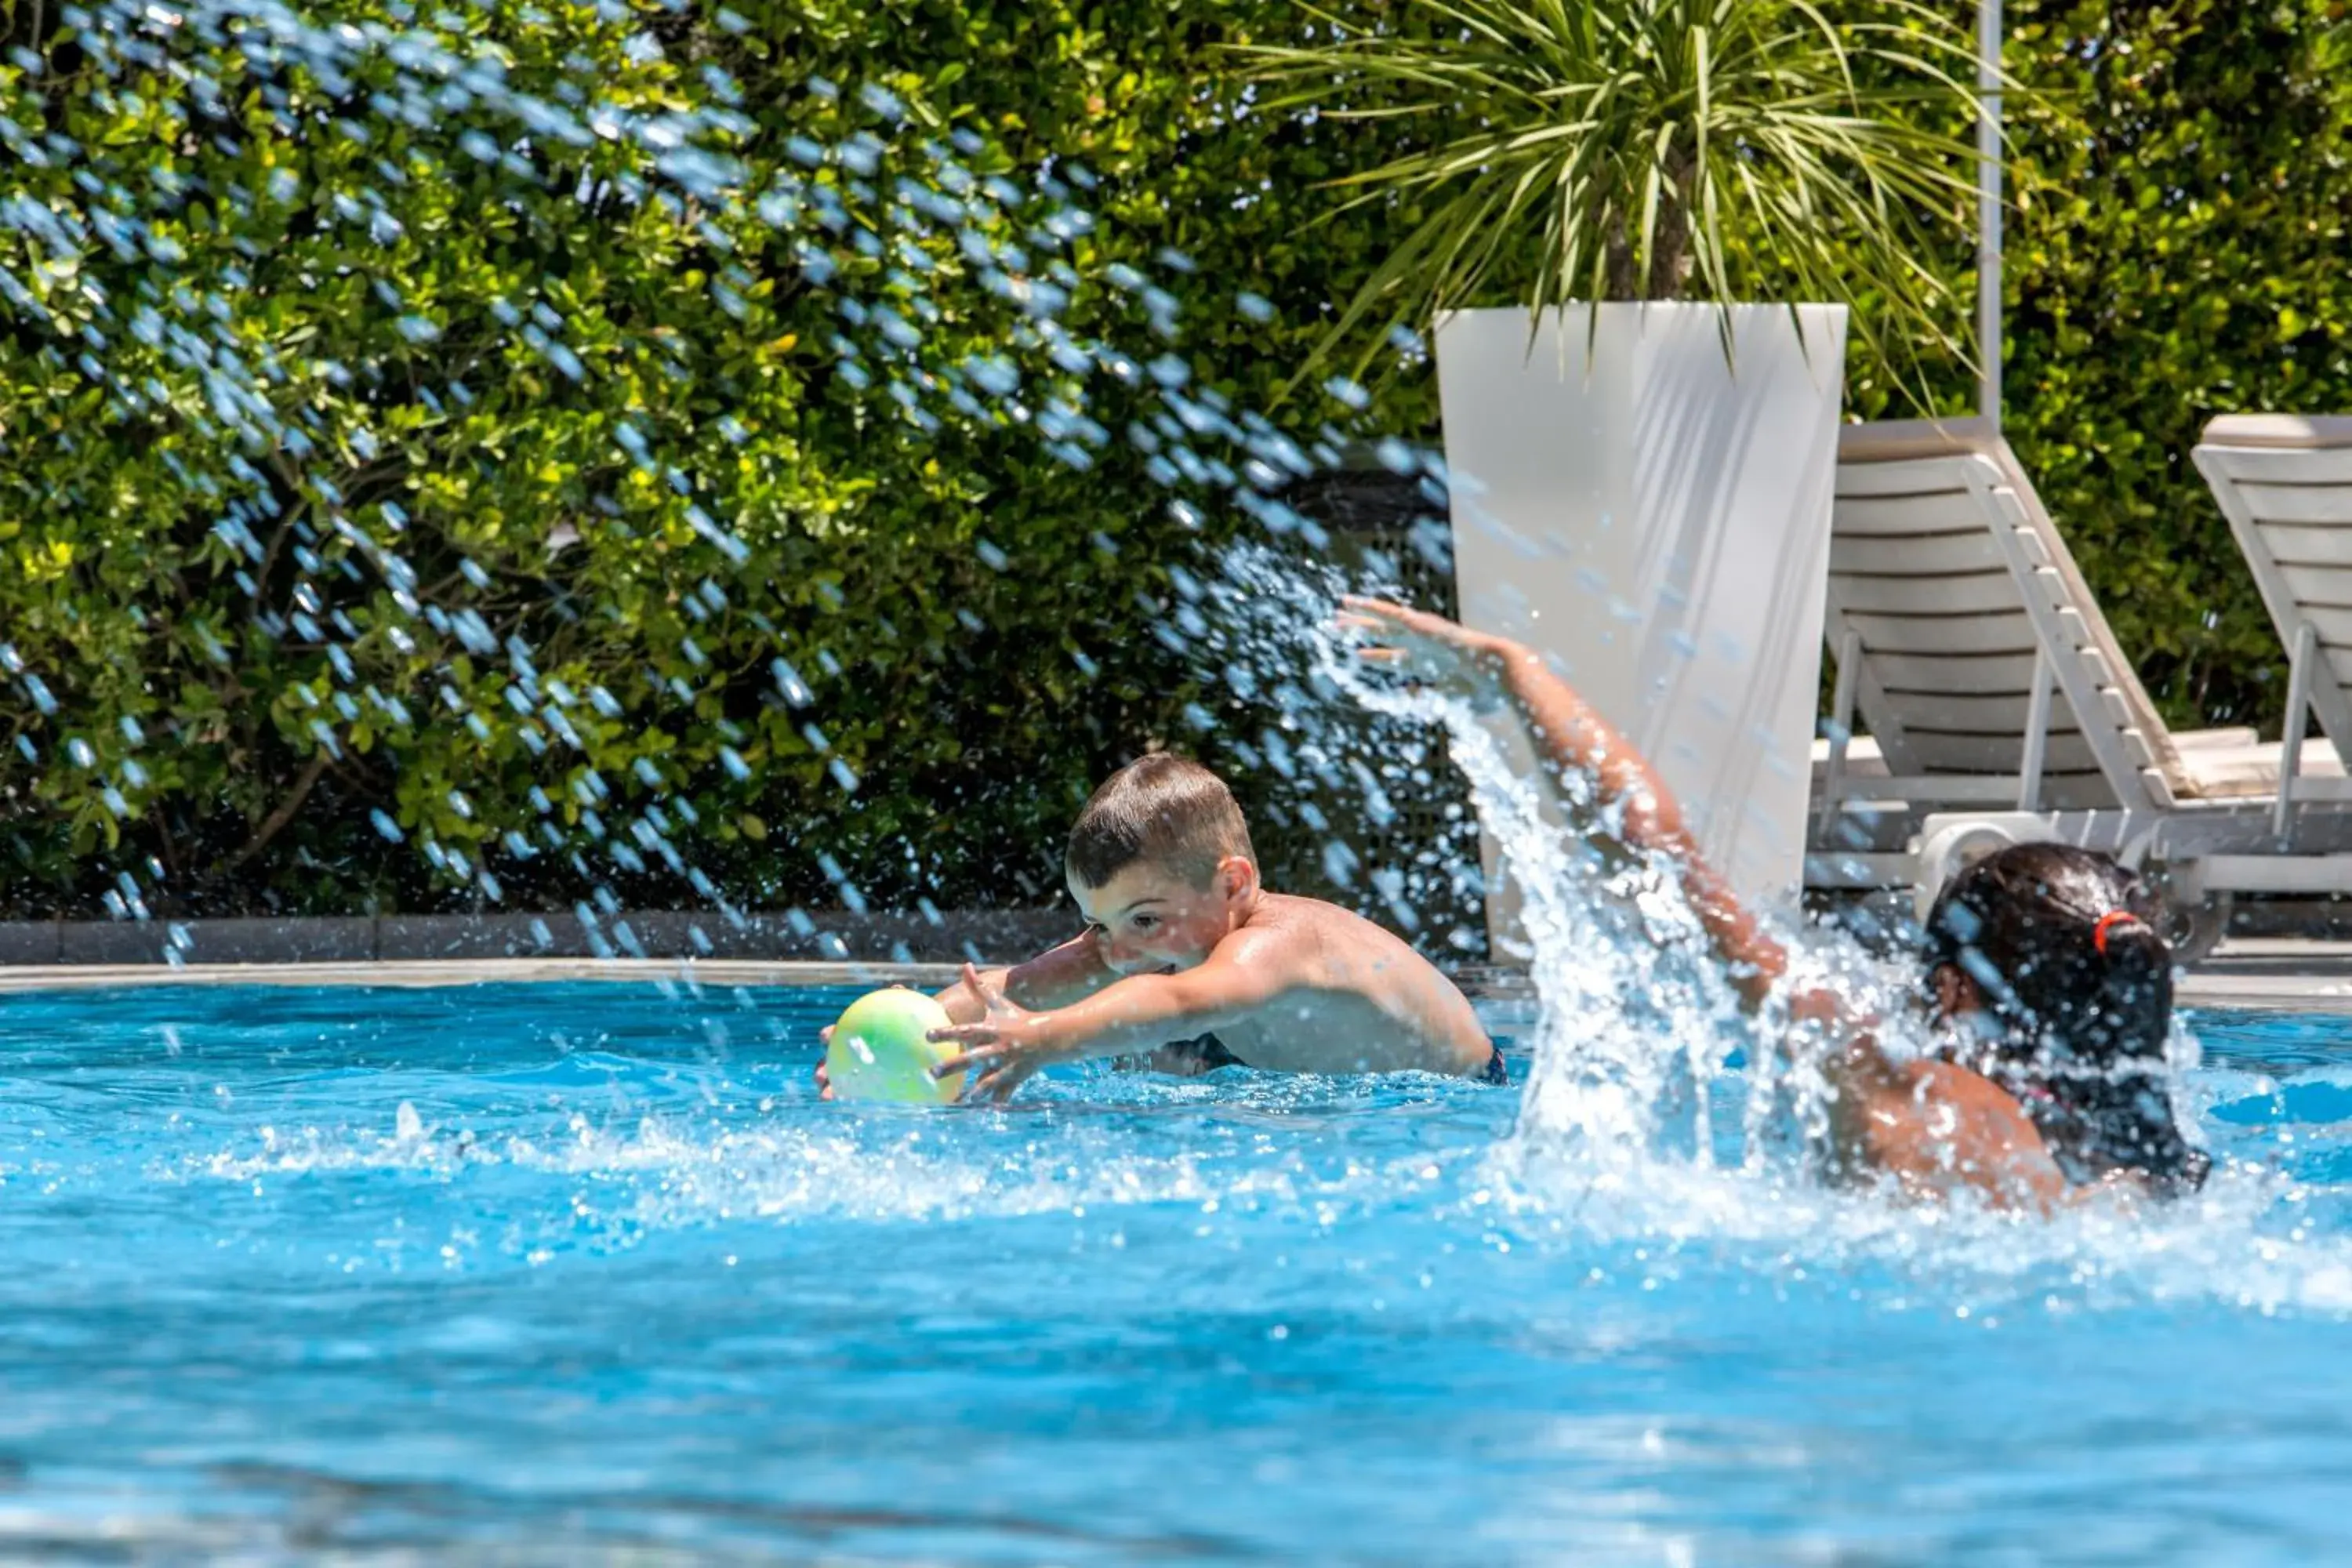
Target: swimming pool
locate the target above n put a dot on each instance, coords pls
(552, 1273)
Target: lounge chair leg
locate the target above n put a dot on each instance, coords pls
(2037, 734)
(1841, 735)
(2298, 708)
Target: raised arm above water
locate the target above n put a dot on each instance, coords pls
(1933, 1126)
(1627, 809)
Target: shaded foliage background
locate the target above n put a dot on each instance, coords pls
(2182, 255)
(2178, 254)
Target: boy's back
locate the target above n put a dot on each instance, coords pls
(1357, 998)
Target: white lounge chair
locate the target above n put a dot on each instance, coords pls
(1968, 644)
(2286, 484)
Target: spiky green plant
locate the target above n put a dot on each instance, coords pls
(1575, 150)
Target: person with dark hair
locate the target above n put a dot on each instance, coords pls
(2048, 984)
(1188, 963)
(2050, 953)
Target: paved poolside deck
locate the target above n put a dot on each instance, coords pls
(2283, 973)
(2273, 974)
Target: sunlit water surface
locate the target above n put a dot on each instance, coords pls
(573, 1272)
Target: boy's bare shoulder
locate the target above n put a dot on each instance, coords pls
(1385, 1006)
(1287, 922)
(1287, 914)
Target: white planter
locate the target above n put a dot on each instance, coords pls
(1660, 522)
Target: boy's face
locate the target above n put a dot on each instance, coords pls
(1152, 917)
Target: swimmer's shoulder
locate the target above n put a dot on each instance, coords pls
(1337, 949)
(1301, 942)
(1281, 929)
(1315, 919)
(1936, 1125)
(1336, 934)
(1376, 980)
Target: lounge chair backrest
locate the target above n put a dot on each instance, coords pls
(1949, 575)
(2286, 484)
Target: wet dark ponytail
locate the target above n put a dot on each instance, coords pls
(2062, 945)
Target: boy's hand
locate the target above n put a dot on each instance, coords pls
(1425, 646)
(824, 1078)
(1003, 1048)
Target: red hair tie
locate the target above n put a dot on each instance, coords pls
(2108, 923)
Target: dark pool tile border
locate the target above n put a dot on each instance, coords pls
(32, 942)
(350, 939)
(838, 936)
(835, 936)
(129, 941)
(413, 938)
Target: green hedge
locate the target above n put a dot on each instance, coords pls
(2182, 254)
(971, 617)
(974, 705)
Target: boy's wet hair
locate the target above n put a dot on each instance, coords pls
(2062, 945)
(1165, 809)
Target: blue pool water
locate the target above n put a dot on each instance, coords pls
(584, 1272)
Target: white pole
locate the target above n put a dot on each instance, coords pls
(1989, 30)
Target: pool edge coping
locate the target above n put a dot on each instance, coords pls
(2319, 991)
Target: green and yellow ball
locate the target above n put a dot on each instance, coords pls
(881, 1050)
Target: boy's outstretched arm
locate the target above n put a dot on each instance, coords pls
(1244, 973)
(1055, 978)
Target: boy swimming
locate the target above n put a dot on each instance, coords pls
(1188, 964)
(2051, 990)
